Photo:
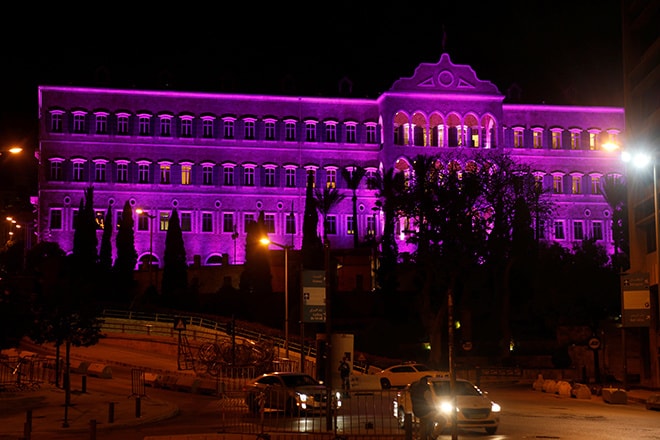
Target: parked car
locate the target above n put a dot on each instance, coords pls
(474, 410)
(399, 376)
(294, 393)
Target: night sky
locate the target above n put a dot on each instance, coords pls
(561, 52)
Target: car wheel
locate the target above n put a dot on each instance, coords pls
(491, 431)
(385, 384)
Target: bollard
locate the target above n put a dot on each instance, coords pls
(84, 383)
(111, 412)
(408, 426)
(138, 409)
(92, 429)
(27, 427)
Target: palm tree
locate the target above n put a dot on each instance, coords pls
(326, 200)
(353, 177)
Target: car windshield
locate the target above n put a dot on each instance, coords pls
(298, 380)
(443, 388)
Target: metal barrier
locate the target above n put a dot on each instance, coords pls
(26, 373)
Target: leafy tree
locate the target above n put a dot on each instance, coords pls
(312, 247)
(615, 192)
(175, 267)
(326, 200)
(126, 260)
(353, 178)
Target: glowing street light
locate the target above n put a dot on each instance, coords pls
(265, 241)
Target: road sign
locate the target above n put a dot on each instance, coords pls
(314, 296)
(179, 324)
(635, 300)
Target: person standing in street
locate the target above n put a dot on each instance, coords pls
(422, 407)
(345, 373)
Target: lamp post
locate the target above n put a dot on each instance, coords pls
(151, 240)
(265, 241)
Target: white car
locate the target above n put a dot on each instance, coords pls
(474, 410)
(399, 376)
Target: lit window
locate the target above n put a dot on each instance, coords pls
(537, 138)
(575, 140)
(593, 141)
(595, 185)
(557, 184)
(331, 178)
(165, 173)
(371, 226)
(556, 140)
(350, 228)
(576, 184)
(517, 138)
(164, 221)
(186, 174)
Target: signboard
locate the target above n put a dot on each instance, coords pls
(635, 300)
(179, 324)
(313, 284)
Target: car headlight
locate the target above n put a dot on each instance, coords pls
(494, 407)
(302, 397)
(446, 407)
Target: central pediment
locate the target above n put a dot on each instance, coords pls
(445, 77)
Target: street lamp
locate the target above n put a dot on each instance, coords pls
(151, 239)
(265, 241)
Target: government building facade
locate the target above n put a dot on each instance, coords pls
(223, 159)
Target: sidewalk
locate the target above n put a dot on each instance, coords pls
(46, 405)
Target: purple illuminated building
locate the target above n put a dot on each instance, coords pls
(221, 159)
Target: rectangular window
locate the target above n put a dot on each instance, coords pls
(165, 127)
(331, 178)
(207, 175)
(270, 130)
(557, 184)
(371, 226)
(290, 223)
(99, 171)
(228, 176)
(228, 222)
(371, 179)
(143, 124)
(593, 141)
(290, 177)
(311, 173)
(331, 133)
(575, 141)
(55, 221)
(207, 222)
(56, 122)
(143, 173)
(186, 221)
(371, 134)
(269, 223)
(559, 230)
(556, 140)
(578, 230)
(249, 130)
(517, 138)
(331, 225)
(248, 177)
(78, 171)
(78, 123)
(351, 134)
(56, 170)
(122, 172)
(74, 219)
(186, 174)
(101, 124)
(143, 223)
(595, 185)
(186, 128)
(165, 173)
(269, 176)
(247, 220)
(350, 228)
(207, 128)
(122, 124)
(164, 221)
(576, 185)
(118, 218)
(538, 139)
(310, 132)
(290, 131)
(597, 230)
(229, 129)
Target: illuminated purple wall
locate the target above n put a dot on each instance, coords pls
(231, 156)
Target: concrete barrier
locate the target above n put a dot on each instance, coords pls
(581, 391)
(615, 396)
(99, 370)
(564, 388)
(81, 368)
(538, 383)
(152, 379)
(549, 386)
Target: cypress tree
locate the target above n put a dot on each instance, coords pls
(126, 254)
(175, 268)
(312, 247)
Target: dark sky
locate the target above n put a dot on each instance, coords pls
(558, 52)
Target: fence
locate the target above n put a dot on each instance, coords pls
(18, 373)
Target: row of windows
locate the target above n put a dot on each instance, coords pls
(188, 127)
(250, 174)
(206, 222)
(578, 230)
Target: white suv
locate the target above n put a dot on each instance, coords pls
(398, 376)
